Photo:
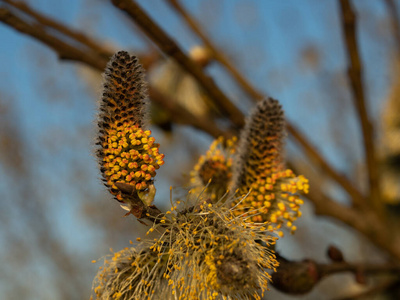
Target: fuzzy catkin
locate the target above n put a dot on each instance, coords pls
(204, 251)
(125, 92)
(260, 149)
(127, 152)
(272, 192)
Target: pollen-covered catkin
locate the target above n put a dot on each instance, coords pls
(261, 144)
(259, 169)
(213, 171)
(128, 153)
(204, 251)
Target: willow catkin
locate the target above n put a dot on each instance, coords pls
(259, 169)
(127, 152)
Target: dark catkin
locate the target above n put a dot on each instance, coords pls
(259, 169)
(261, 144)
(124, 92)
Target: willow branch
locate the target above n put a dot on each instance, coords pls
(394, 16)
(330, 269)
(366, 221)
(300, 277)
(218, 55)
(354, 73)
(51, 23)
(64, 50)
(138, 208)
(181, 115)
(91, 57)
(315, 157)
(169, 47)
(306, 145)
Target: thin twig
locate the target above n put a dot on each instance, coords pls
(217, 54)
(169, 47)
(333, 268)
(137, 207)
(355, 70)
(365, 221)
(48, 22)
(181, 115)
(91, 58)
(315, 156)
(394, 16)
(300, 277)
(64, 50)
(325, 206)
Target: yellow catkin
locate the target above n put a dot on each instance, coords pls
(213, 171)
(272, 192)
(127, 152)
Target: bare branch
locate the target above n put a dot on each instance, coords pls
(92, 56)
(48, 22)
(65, 51)
(217, 54)
(364, 221)
(330, 269)
(315, 157)
(355, 70)
(138, 208)
(169, 47)
(300, 277)
(394, 15)
(181, 115)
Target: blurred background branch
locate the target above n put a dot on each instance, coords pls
(216, 54)
(300, 277)
(395, 20)
(355, 71)
(168, 46)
